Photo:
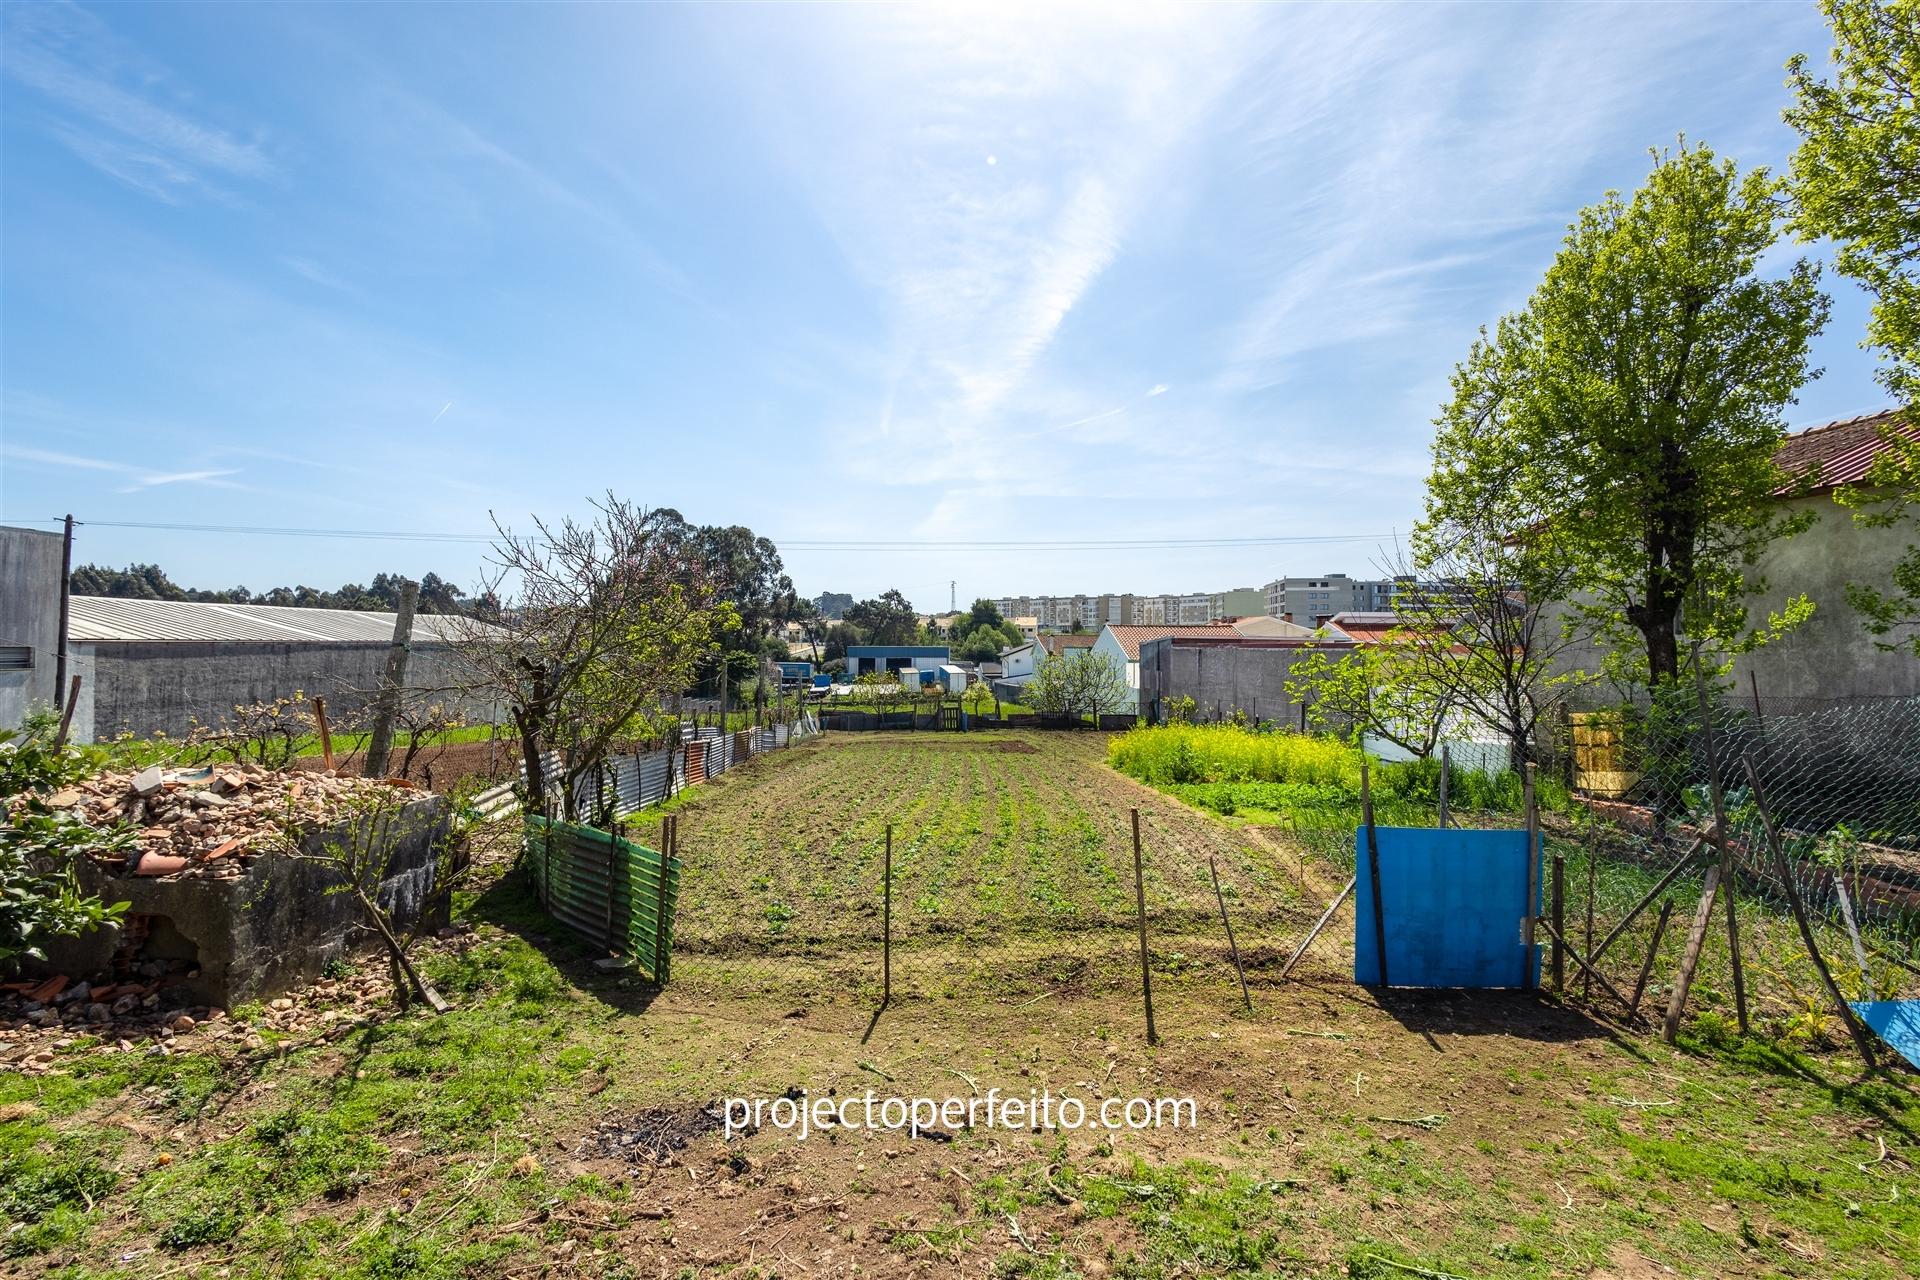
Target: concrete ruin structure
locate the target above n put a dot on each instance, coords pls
(226, 940)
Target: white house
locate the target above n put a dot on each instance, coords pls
(1018, 662)
(1123, 644)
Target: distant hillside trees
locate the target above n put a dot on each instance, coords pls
(382, 595)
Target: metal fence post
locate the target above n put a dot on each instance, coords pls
(1559, 909)
(1533, 874)
(1373, 869)
(669, 839)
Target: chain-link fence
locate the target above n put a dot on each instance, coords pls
(1784, 814)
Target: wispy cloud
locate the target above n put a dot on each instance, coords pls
(216, 478)
(312, 271)
(1158, 389)
(115, 109)
(1475, 120)
(52, 458)
(139, 478)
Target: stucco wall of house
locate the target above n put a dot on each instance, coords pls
(1831, 655)
(30, 616)
(145, 687)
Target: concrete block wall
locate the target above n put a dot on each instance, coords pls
(149, 686)
(1251, 678)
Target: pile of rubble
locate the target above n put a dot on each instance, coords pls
(208, 821)
(42, 1018)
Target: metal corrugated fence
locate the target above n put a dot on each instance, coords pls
(631, 783)
(608, 889)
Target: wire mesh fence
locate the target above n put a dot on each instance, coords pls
(1776, 812)
(997, 866)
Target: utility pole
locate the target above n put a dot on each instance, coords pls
(380, 743)
(953, 595)
(66, 596)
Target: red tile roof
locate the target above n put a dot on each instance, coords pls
(1132, 637)
(1054, 643)
(1840, 452)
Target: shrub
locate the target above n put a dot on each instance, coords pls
(1222, 767)
(40, 897)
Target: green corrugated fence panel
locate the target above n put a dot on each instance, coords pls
(606, 888)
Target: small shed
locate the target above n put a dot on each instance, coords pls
(953, 679)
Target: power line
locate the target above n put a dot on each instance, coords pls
(795, 544)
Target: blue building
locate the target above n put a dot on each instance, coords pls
(795, 672)
(863, 659)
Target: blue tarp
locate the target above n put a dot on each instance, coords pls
(1895, 1021)
(1454, 903)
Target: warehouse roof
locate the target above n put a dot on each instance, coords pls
(106, 618)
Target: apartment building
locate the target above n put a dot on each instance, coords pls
(1311, 601)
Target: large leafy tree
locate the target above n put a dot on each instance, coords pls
(1634, 407)
(982, 644)
(1856, 179)
(889, 619)
(982, 613)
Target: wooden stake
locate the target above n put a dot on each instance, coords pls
(1653, 952)
(886, 924)
(66, 712)
(1593, 849)
(326, 738)
(1446, 780)
(1646, 900)
(1861, 1040)
(1690, 958)
(1727, 876)
(1231, 944)
(1847, 917)
(1533, 874)
(1373, 869)
(1140, 911)
(1567, 948)
(1318, 925)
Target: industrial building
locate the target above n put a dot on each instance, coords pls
(869, 659)
(161, 666)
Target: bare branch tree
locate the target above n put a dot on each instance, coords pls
(600, 621)
(1478, 629)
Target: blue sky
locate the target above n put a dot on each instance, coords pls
(1032, 273)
